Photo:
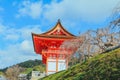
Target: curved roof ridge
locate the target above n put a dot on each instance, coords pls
(49, 32)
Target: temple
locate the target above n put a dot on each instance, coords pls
(48, 46)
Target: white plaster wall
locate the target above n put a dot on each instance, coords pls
(52, 65)
(61, 65)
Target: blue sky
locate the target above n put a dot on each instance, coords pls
(18, 18)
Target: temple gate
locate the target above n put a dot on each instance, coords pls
(48, 46)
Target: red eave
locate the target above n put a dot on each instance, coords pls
(49, 36)
(53, 36)
(37, 38)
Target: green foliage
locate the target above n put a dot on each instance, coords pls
(28, 67)
(30, 63)
(1, 73)
(27, 64)
(3, 70)
(39, 68)
(101, 67)
(27, 70)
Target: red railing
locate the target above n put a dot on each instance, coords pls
(56, 51)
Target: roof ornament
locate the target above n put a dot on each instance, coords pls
(58, 20)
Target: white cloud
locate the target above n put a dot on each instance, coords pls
(32, 9)
(10, 57)
(15, 34)
(26, 46)
(19, 45)
(88, 10)
(26, 31)
(12, 37)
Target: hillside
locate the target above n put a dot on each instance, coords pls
(28, 66)
(30, 63)
(35, 68)
(1, 73)
(101, 67)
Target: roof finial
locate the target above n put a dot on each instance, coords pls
(58, 20)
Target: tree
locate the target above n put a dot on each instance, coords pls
(115, 23)
(13, 72)
(95, 41)
(91, 42)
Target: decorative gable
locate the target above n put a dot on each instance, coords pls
(58, 31)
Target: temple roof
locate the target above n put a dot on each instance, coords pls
(57, 31)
